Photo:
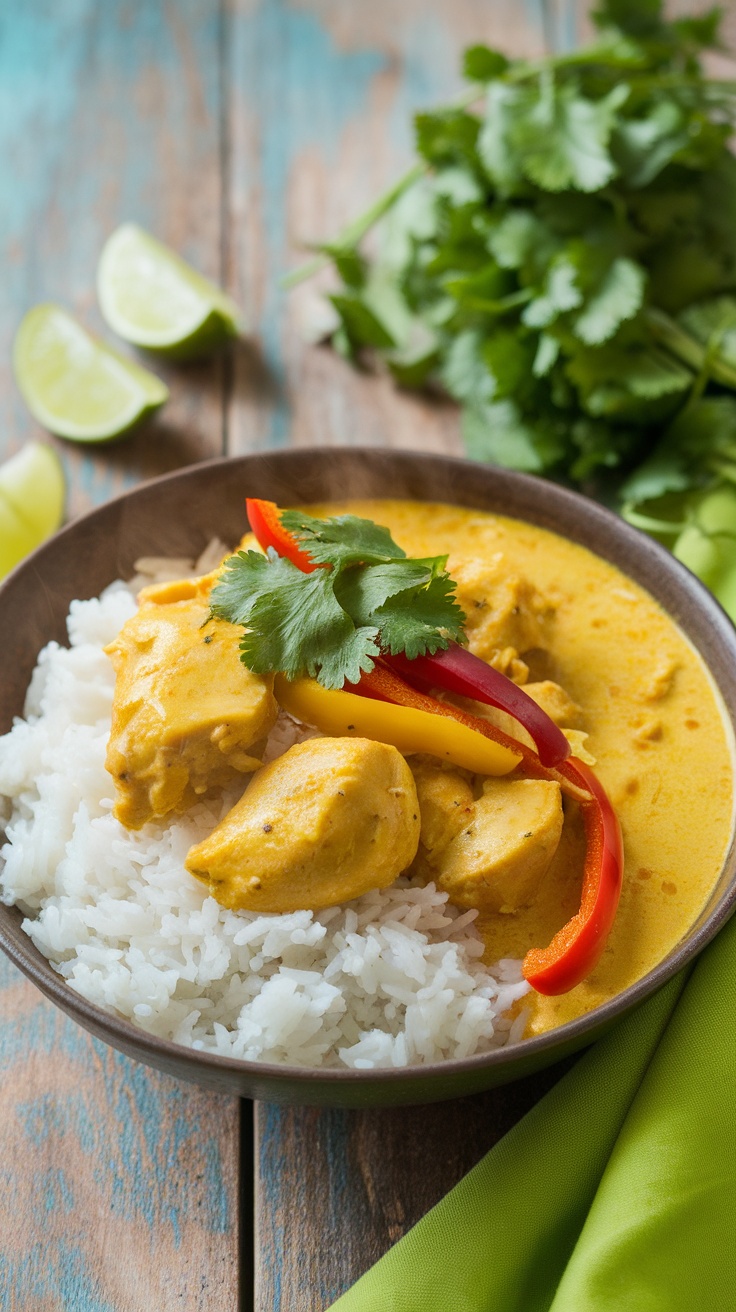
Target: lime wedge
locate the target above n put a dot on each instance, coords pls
(31, 502)
(151, 297)
(75, 386)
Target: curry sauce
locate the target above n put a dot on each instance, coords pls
(654, 724)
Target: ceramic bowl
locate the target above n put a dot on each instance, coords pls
(177, 515)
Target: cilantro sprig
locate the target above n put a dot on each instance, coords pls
(334, 622)
(561, 259)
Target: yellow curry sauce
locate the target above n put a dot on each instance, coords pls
(655, 727)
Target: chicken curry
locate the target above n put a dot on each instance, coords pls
(359, 805)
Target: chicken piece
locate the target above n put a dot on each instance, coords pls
(508, 661)
(554, 700)
(445, 808)
(499, 860)
(502, 610)
(186, 711)
(325, 822)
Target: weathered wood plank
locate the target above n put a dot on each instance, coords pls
(320, 97)
(120, 1186)
(336, 1189)
(109, 112)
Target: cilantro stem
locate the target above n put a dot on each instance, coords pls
(674, 338)
(502, 306)
(648, 523)
(725, 468)
(355, 231)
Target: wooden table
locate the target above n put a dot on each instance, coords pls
(232, 129)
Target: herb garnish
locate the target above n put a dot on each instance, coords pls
(562, 261)
(334, 622)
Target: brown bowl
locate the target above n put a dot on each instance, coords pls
(177, 515)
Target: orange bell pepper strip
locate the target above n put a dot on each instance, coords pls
(410, 728)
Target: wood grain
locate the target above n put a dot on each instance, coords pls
(111, 111)
(236, 130)
(119, 1187)
(321, 95)
(335, 1190)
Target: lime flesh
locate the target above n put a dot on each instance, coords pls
(31, 502)
(76, 386)
(154, 299)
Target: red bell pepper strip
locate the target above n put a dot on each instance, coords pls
(576, 948)
(458, 670)
(264, 518)
(455, 670)
(385, 686)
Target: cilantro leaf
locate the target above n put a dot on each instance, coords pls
(501, 433)
(560, 293)
(617, 298)
(634, 384)
(361, 591)
(248, 576)
(344, 540)
(412, 603)
(465, 373)
(565, 267)
(271, 597)
(329, 646)
(333, 622)
(644, 146)
(423, 621)
(361, 325)
(564, 138)
(480, 63)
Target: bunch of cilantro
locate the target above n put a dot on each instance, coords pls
(333, 623)
(562, 261)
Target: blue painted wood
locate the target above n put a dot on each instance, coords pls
(108, 112)
(119, 1186)
(321, 95)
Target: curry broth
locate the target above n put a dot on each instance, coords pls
(662, 747)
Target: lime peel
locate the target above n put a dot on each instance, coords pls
(151, 297)
(78, 387)
(32, 494)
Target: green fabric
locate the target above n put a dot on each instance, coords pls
(617, 1191)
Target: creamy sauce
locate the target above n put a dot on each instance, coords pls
(662, 747)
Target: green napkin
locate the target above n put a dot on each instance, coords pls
(617, 1191)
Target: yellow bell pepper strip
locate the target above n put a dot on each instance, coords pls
(350, 714)
(577, 947)
(458, 670)
(386, 708)
(454, 670)
(384, 685)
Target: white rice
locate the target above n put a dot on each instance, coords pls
(394, 978)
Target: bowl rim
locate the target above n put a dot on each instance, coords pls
(125, 1035)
